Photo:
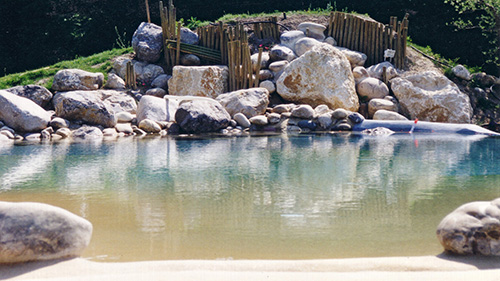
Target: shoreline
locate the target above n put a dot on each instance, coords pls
(440, 267)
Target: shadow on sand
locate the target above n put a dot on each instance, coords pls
(481, 262)
(8, 271)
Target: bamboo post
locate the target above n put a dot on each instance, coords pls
(340, 40)
(330, 24)
(257, 71)
(147, 11)
(178, 51)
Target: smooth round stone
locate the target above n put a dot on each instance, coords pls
(342, 127)
(278, 66)
(330, 41)
(290, 37)
(124, 117)
(64, 132)
(233, 123)
(109, 133)
(372, 88)
(33, 137)
(360, 73)
(149, 126)
(190, 60)
(293, 129)
(58, 123)
(280, 52)
(242, 120)
(304, 111)
(340, 113)
(321, 109)
(383, 114)
(305, 44)
(8, 134)
(313, 30)
(124, 128)
(269, 85)
(282, 108)
(265, 74)
(274, 118)
(161, 81)
(259, 120)
(325, 120)
(356, 118)
(56, 137)
(157, 92)
(307, 124)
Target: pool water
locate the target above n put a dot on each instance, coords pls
(260, 197)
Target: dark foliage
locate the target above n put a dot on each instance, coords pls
(34, 33)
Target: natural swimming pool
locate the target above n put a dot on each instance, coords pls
(261, 197)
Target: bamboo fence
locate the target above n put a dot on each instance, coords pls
(130, 76)
(268, 29)
(168, 25)
(370, 37)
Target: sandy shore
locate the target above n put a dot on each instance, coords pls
(392, 268)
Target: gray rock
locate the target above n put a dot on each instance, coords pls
(145, 72)
(22, 114)
(64, 132)
(340, 113)
(38, 94)
(472, 229)
(242, 120)
(118, 100)
(204, 81)
(383, 114)
(264, 60)
(356, 118)
(201, 116)
(259, 120)
(325, 120)
(149, 126)
(265, 74)
(289, 38)
(281, 108)
(125, 128)
(114, 82)
(156, 109)
(330, 41)
(303, 111)
(269, 85)
(76, 79)
(58, 123)
(377, 104)
(161, 81)
(8, 134)
(84, 106)
(377, 70)
(189, 37)
(372, 88)
(157, 92)
(461, 72)
(35, 231)
(87, 133)
(313, 30)
(354, 58)
(321, 109)
(190, 60)
(124, 117)
(274, 118)
(305, 44)
(250, 102)
(147, 42)
(281, 52)
(33, 137)
(110, 133)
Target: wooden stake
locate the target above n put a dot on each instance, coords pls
(147, 11)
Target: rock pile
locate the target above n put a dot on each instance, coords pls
(307, 84)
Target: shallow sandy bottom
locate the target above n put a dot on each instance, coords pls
(394, 268)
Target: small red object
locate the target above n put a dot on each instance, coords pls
(416, 120)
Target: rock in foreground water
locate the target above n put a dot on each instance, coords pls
(201, 116)
(472, 228)
(35, 231)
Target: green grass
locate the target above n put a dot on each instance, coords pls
(100, 62)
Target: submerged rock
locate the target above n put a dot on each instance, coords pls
(35, 231)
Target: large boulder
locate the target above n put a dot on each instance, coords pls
(147, 42)
(77, 79)
(321, 76)
(203, 81)
(472, 229)
(154, 108)
(22, 114)
(86, 106)
(250, 102)
(118, 100)
(430, 96)
(39, 94)
(201, 116)
(145, 73)
(35, 231)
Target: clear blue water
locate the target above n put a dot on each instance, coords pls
(263, 197)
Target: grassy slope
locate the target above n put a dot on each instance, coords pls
(100, 62)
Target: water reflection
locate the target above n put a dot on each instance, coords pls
(305, 196)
